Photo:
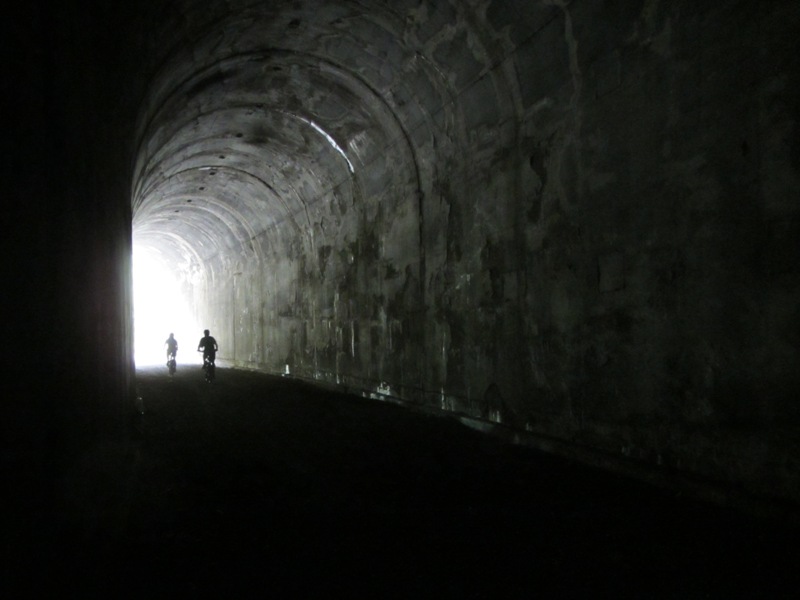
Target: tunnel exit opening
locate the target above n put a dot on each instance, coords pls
(160, 307)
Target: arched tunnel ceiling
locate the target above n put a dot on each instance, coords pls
(261, 109)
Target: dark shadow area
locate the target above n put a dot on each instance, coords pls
(259, 486)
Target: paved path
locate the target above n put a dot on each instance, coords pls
(259, 486)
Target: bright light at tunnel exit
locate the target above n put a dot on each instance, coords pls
(159, 308)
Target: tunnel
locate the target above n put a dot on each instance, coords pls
(570, 224)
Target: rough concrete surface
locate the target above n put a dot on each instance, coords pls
(574, 219)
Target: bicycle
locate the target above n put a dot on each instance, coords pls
(172, 365)
(209, 368)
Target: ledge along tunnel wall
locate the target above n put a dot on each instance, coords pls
(577, 219)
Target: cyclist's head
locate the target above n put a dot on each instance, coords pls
(206, 331)
(171, 334)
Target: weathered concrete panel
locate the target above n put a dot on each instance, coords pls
(575, 218)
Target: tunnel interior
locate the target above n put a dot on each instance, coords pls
(568, 221)
(281, 186)
(533, 214)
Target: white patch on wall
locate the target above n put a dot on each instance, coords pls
(331, 141)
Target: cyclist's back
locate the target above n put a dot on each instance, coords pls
(172, 346)
(208, 346)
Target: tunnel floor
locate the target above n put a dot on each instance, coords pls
(264, 486)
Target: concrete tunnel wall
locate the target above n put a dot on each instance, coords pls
(578, 219)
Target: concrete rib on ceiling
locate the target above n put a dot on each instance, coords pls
(266, 112)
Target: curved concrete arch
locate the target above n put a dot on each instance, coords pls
(258, 103)
(215, 143)
(550, 221)
(238, 222)
(190, 118)
(396, 146)
(194, 171)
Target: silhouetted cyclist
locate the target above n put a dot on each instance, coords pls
(172, 347)
(208, 346)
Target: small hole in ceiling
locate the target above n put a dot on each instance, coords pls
(239, 135)
(212, 172)
(202, 187)
(189, 200)
(222, 156)
(294, 23)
